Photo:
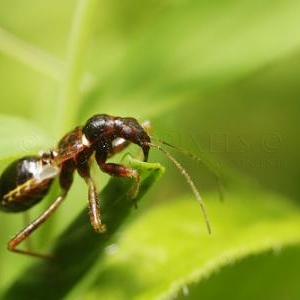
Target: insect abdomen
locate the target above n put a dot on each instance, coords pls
(20, 188)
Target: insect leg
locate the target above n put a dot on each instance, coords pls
(94, 208)
(66, 179)
(114, 169)
(26, 220)
(24, 233)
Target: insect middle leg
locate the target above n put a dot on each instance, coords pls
(83, 169)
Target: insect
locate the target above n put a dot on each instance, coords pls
(26, 181)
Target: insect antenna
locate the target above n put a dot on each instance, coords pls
(190, 182)
(201, 161)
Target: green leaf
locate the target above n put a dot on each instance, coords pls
(267, 275)
(167, 249)
(77, 250)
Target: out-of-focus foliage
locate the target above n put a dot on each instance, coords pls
(219, 78)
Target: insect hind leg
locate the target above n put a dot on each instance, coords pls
(29, 229)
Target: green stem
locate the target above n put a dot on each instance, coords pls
(30, 55)
(68, 101)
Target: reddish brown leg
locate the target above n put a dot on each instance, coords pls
(24, 233)
(66, 179)
(26, 221)
(122, 171)
(94, 208)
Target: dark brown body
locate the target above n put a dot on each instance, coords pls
(97, 137)
(26, 181)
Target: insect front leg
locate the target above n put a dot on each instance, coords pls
(119, 170)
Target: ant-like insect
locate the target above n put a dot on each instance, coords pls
(26, 181)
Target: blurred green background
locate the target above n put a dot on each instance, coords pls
(219, 78)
